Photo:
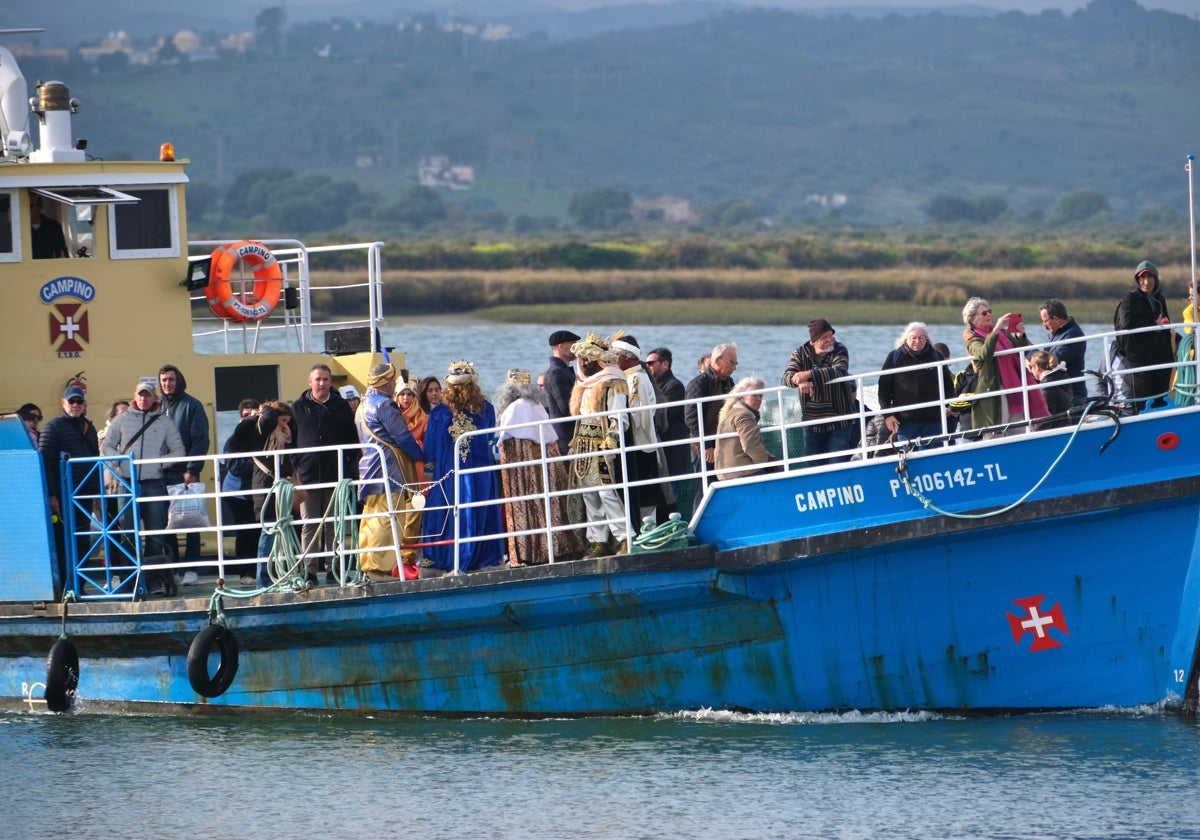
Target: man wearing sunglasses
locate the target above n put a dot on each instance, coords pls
(73, 435)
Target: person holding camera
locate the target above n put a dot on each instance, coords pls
(987, 339)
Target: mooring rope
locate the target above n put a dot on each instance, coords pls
(913, 490)
(655, 537)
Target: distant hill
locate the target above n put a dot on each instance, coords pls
(774, 107)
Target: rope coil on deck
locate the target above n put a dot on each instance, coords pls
(671, 534)
(286, 562)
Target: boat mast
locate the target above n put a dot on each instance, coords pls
(1191, 159)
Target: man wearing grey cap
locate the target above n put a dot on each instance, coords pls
(144, 432)
(811, 369)
(558, 382)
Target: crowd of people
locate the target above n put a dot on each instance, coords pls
(429, 485)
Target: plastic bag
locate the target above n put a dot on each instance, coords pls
(187, 508)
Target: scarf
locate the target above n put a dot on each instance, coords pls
(1009, 367)
(417, 420)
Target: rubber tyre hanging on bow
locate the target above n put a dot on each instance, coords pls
(62, 675)
(197, 660)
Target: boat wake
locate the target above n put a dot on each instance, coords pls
(807, 718)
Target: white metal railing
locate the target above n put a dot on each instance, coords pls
(782, 416)
(283, 327)
(128, 526)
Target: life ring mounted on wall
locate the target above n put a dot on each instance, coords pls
(224, 276)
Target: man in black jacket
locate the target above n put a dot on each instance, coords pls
(670, 421)
(716, 380)
(323, 418)
(72, 435)
(558, 381)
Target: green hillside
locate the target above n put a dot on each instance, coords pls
(767, 106)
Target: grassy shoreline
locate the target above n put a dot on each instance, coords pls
(739, 296)
(764, 313)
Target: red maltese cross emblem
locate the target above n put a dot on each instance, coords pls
(1034, 621)
(68, 321)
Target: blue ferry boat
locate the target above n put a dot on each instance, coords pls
(1050, 569)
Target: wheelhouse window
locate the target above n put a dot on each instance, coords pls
(72, 211)
(149, 228)
(10, 237)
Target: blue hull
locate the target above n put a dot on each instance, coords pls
(801, 598)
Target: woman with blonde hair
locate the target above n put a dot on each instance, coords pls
(926, 387)
(985, 338)
(740, 450)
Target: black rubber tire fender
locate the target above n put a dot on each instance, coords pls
(197, 660)
(62, 675)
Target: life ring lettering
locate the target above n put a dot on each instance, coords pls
(221, 637)
(243, 305)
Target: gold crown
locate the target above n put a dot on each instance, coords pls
(591, 346)
(516, 376)
(461, 372)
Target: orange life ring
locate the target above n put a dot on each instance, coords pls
(243, 305)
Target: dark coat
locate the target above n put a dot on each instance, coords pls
(74, 437)
(558, 382)
(674, 426)
(914, 386)
(706, 384)
(1072, 355)
(189, 417)
(251, 435)
(1141, 309)
(328, 424)
(1058, 396)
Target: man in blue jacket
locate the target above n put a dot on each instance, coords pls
(1063, 330)
(70, 435)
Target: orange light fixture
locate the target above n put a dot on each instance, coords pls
(166, 152)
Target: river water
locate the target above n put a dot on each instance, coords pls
(1126, 774)
(764, 351)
